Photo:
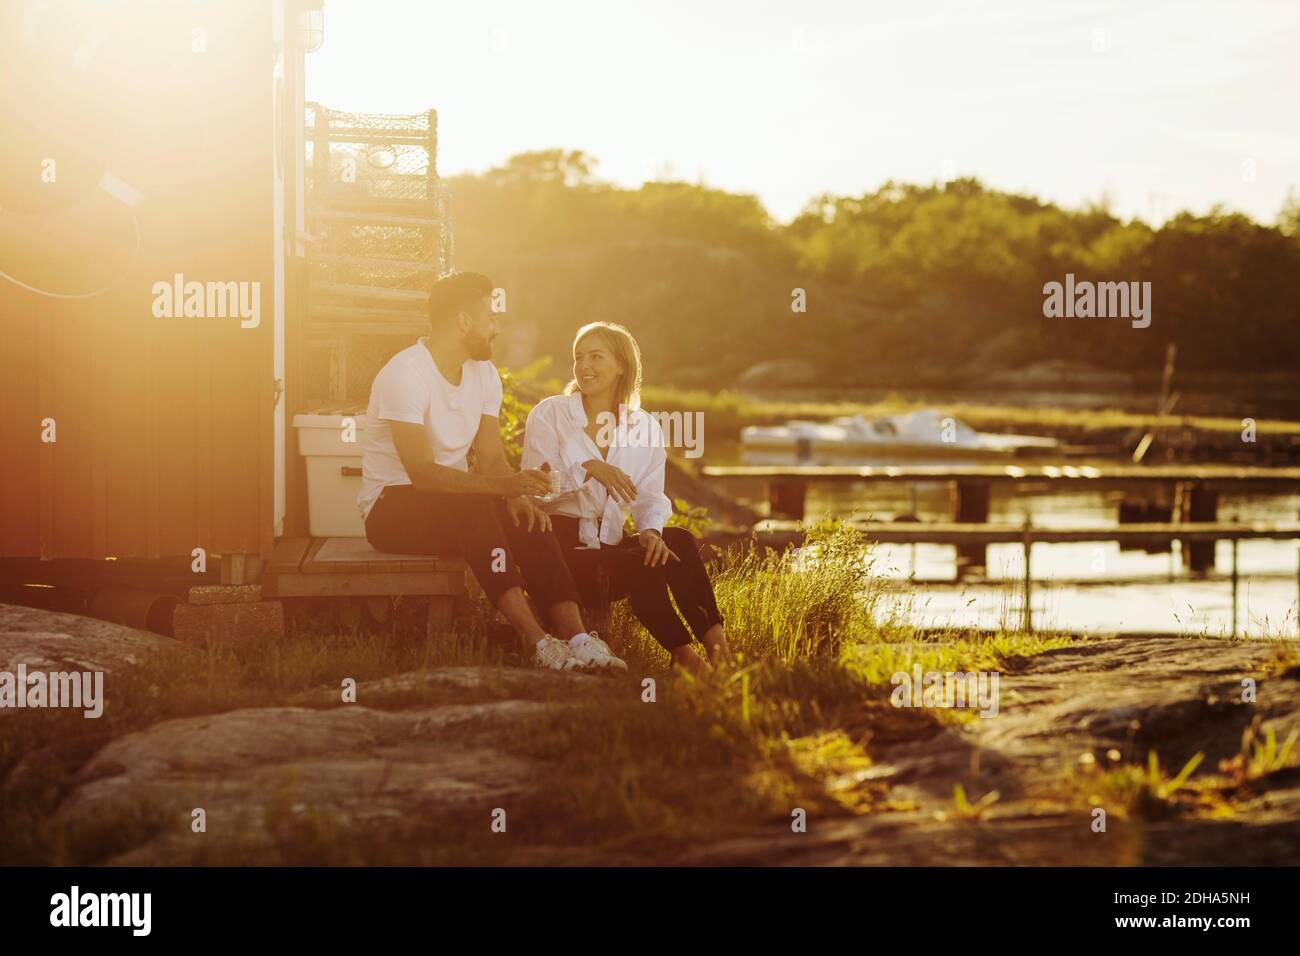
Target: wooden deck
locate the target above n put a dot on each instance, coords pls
(338, 567)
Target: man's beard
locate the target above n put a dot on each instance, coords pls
(479, 347)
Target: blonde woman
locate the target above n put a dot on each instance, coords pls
(608, 457)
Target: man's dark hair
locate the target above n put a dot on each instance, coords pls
(455, 293)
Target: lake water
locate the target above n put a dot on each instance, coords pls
(1091, 587)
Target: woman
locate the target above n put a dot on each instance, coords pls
(609, 458)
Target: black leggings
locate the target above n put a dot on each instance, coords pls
(647, 589)
(478, 529)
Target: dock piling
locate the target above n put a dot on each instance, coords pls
(971, 506)
(1201, 504)
(1234, 586)
(1029, 580)
(787, 498)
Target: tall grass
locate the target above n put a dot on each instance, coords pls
(788, 606)
(799, 603)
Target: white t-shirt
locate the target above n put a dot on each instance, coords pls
(411, 389)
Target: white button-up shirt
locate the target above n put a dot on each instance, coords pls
(554, 434)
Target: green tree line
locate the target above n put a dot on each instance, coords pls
(910, 284)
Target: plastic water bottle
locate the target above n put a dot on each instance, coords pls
(556, 479)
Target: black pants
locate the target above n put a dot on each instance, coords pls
(647, 589)
(478, 529)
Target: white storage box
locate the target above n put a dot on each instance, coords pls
(333, 473)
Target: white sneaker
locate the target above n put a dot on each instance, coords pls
(551, 654)
(595, 654)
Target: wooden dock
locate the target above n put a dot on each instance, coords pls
(1190, 495)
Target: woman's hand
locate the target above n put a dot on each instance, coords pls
(656, 552)
(615, 479)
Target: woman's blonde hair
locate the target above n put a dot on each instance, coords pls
(625, 351)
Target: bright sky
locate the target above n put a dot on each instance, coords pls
(1162, 105)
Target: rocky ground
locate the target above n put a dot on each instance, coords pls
(363, 767)
(1178, 696)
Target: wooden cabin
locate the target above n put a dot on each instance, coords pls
(180, 275)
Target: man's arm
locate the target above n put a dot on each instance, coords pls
(416, 452)
(490, 450)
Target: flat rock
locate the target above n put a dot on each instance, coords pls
(495, 681)
(922, 839)
(53, 640)
(1174, 696)
(355, 766)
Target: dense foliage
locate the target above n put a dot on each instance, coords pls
(909, 284)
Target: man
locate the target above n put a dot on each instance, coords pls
(429, 406)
